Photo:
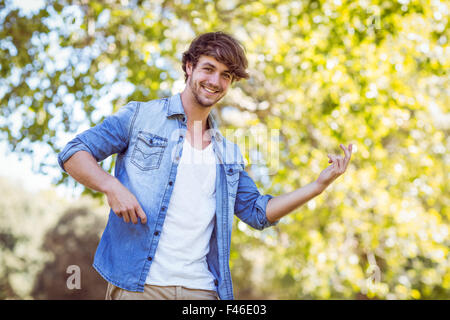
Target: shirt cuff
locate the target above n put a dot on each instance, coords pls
(71, 148)
(261, 204)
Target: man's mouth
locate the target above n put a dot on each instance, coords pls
(210, 90)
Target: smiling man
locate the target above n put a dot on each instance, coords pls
(204, 90)
(178, 184)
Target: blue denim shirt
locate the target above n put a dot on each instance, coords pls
(148, 138)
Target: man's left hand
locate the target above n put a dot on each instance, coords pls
(337, 167)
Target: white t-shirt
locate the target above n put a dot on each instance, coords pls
(180, 258)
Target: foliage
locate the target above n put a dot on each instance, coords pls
(20, 254)
(41, 236)
(372, 73)
(72, 243)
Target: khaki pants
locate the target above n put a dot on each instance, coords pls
(152, 292)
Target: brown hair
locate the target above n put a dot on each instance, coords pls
(222, 47)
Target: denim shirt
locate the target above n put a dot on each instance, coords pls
(148, 139)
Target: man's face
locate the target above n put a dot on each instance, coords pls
(208, 81)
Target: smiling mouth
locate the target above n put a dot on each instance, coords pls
(209, 90)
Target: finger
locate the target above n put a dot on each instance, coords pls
(132, 215)
(346, 151)
(334, 160)
(337, 161)
(348, 154)
(117, 212)
(125, 216)
(341, 164)
(350, 150)
(141, 215)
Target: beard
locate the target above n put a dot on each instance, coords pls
(203, 99)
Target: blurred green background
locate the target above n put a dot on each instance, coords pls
(371, 73)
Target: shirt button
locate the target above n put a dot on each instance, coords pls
(149, 258)
(163, 208)
(216, 283)
(156, 233)
(170, 183)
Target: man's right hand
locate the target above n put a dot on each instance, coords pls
(124, 204)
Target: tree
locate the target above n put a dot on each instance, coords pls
(371, 73)
(24, 219)
(72, 243)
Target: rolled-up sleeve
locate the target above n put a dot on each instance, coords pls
(105, 139)
(70, 149)
(250, 205)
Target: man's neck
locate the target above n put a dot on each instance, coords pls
(195, 113)
(197, 123)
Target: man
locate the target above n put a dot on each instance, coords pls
(181, 247)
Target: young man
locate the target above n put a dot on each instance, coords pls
(181, 247)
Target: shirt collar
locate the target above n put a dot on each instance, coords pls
(175, 107)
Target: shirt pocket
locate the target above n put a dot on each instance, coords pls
(232, 175)
(148, 151)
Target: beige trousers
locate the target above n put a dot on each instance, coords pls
(152, 292)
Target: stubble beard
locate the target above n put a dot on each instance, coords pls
(196, 93)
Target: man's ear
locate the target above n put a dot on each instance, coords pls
(188, 68)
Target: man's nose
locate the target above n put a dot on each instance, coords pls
(214, 80)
